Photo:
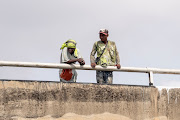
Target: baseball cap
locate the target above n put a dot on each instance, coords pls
(104, 31)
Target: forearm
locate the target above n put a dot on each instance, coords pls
(117, 60)
(92, 59)
(117, 57)
(92, 55)
(72, 61)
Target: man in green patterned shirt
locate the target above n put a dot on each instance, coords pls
(107, 55)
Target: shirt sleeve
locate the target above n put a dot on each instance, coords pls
(117, 56)
(93, 52)
(64, 56)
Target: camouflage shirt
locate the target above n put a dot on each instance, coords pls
(110, 55)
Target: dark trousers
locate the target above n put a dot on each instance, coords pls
(104, 77)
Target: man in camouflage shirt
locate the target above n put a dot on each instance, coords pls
(108, 56)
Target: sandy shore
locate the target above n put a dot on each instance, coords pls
(73, 116)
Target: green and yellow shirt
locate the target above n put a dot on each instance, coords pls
(110, 55)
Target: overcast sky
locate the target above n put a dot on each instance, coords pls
(146, 32)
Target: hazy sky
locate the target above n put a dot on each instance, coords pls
(146, 33)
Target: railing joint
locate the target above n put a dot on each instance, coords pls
(151, 78)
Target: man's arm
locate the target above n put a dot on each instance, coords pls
(117, 58)
(65, 59)
(92, 56)
(80, 60)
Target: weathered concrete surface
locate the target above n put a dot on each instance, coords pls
(39, 99)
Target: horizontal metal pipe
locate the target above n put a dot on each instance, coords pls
(88, 67)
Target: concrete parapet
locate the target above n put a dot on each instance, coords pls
(38, 99)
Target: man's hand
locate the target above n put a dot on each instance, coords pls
(81, 61)
(93, 65)
(118, 66)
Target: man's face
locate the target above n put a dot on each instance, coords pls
(103, 37)
(71, 50)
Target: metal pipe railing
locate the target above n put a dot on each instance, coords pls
(150, 71)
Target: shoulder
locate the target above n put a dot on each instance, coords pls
(111, 42)
(97, 42)
(78, 51)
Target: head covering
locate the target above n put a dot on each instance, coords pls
(103, 31)
(70, 44)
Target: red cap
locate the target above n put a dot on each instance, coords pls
(103, 31)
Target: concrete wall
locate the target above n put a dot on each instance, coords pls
(38, 99)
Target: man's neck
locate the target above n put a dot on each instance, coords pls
(105, 42)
